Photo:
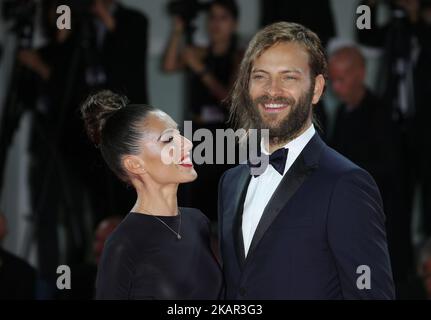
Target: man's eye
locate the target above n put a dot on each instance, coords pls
(257, 77)
(289, 78)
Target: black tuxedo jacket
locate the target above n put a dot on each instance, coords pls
(321, 236)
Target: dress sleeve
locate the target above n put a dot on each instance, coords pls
(115, 274)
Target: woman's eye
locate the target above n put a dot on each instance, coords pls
(168, 139)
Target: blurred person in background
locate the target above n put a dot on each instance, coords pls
(211, 71)
(404, 85)
(106, 47)
(83, 282)
(424, 267)
(103, 230)
(365, 133)
(17, 277)
(418, 285)
(3, 227)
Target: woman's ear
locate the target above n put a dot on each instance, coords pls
(134, 165)
(319, 85)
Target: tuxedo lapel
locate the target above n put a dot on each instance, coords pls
(303, 166)
(243, 182)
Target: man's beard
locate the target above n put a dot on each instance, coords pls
(290, 126)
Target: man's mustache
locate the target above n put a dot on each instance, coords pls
(266, 99)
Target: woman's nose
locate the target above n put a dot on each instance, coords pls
(186, 144)
(183, 146)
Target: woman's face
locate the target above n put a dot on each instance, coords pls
(165, 153)
(221, 23)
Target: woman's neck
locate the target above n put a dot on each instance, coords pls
(156, 200)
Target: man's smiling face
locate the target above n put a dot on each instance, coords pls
(282, 90)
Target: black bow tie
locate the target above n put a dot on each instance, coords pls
(277, 159)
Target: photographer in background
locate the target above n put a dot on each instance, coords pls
(406, 43)
(121, 35)
(211, 72)
(212, 68)
(105, 48)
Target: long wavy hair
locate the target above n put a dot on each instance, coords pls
(281, 32)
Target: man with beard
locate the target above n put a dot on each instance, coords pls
(311, 226)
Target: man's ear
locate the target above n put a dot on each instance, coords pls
(134, 165)
(319, 85)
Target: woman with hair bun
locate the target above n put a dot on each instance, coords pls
(159, 251)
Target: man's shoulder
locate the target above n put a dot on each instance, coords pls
(333, 164)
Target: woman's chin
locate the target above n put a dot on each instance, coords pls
(189, 176)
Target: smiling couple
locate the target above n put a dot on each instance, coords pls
(299, 230)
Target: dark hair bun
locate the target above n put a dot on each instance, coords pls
(97, 109)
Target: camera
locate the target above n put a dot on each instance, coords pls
(187, 10)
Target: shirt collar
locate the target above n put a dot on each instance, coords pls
(295, 146)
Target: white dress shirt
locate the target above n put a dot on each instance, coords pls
(261, 188)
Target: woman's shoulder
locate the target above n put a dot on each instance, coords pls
(118, 237)
(194, 214)
(124, 235)
(117, 246)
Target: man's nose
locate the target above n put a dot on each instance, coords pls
(274, 88)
